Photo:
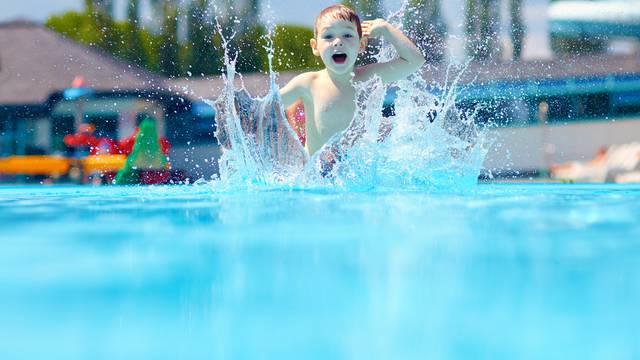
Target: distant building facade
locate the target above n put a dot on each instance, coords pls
(579, 26)
(541, 112)
(50, 85)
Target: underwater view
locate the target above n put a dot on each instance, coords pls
(497, 271)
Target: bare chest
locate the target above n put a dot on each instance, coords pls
(333, 108)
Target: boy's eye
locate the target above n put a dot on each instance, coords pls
(327, 37)
(348, 35)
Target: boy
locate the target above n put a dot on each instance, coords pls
(328, 95)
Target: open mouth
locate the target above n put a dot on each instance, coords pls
(339, 58)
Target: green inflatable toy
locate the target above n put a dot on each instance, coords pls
(146, 155)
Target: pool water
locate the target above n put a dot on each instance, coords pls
(495, 271)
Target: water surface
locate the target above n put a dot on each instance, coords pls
(494, 271)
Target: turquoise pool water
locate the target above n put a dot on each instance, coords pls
(497, 271)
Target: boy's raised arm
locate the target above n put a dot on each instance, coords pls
(409, 59)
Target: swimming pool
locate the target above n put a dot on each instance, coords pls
(497, 271)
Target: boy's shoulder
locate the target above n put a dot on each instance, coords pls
(299, 86)
(306, 77)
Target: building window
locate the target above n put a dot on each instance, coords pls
(61, 125)
(106, 124)
(6, 137)
(627, 103)
(596, 105)
(560, 108)
(204, 127)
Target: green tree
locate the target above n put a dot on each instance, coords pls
(202, 51)
(249, 15)
(89, 28)
(134, 48)
(249, 46)
(481, 25)
(93, 27)
(367, 9)
(107, 37)
(169, 48)
(517, 28)
(204, 57)
(292, 50)
(77, 26)
(105, 6)
(240, 26)
(424, 24)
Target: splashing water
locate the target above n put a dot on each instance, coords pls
(260, 149)
(427, 143)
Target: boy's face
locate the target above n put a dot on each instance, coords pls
(338, 44)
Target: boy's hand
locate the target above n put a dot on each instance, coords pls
(409, 59)
(374, 28)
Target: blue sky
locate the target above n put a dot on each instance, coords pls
(36, 9)
(292, 11)
(304, 11)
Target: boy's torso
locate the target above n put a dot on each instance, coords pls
(331, 106)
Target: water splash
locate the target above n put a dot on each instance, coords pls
(260, 149)
(428, 143)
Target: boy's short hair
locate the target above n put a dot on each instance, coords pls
(338, 12)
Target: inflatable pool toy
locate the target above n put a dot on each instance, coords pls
(35, 165)
(147, 163)
(140, 159)
(103, 163)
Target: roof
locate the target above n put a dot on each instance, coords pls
(35, 61)
(570, 69)
(210, 87)
(561, 76)
(565, 67)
